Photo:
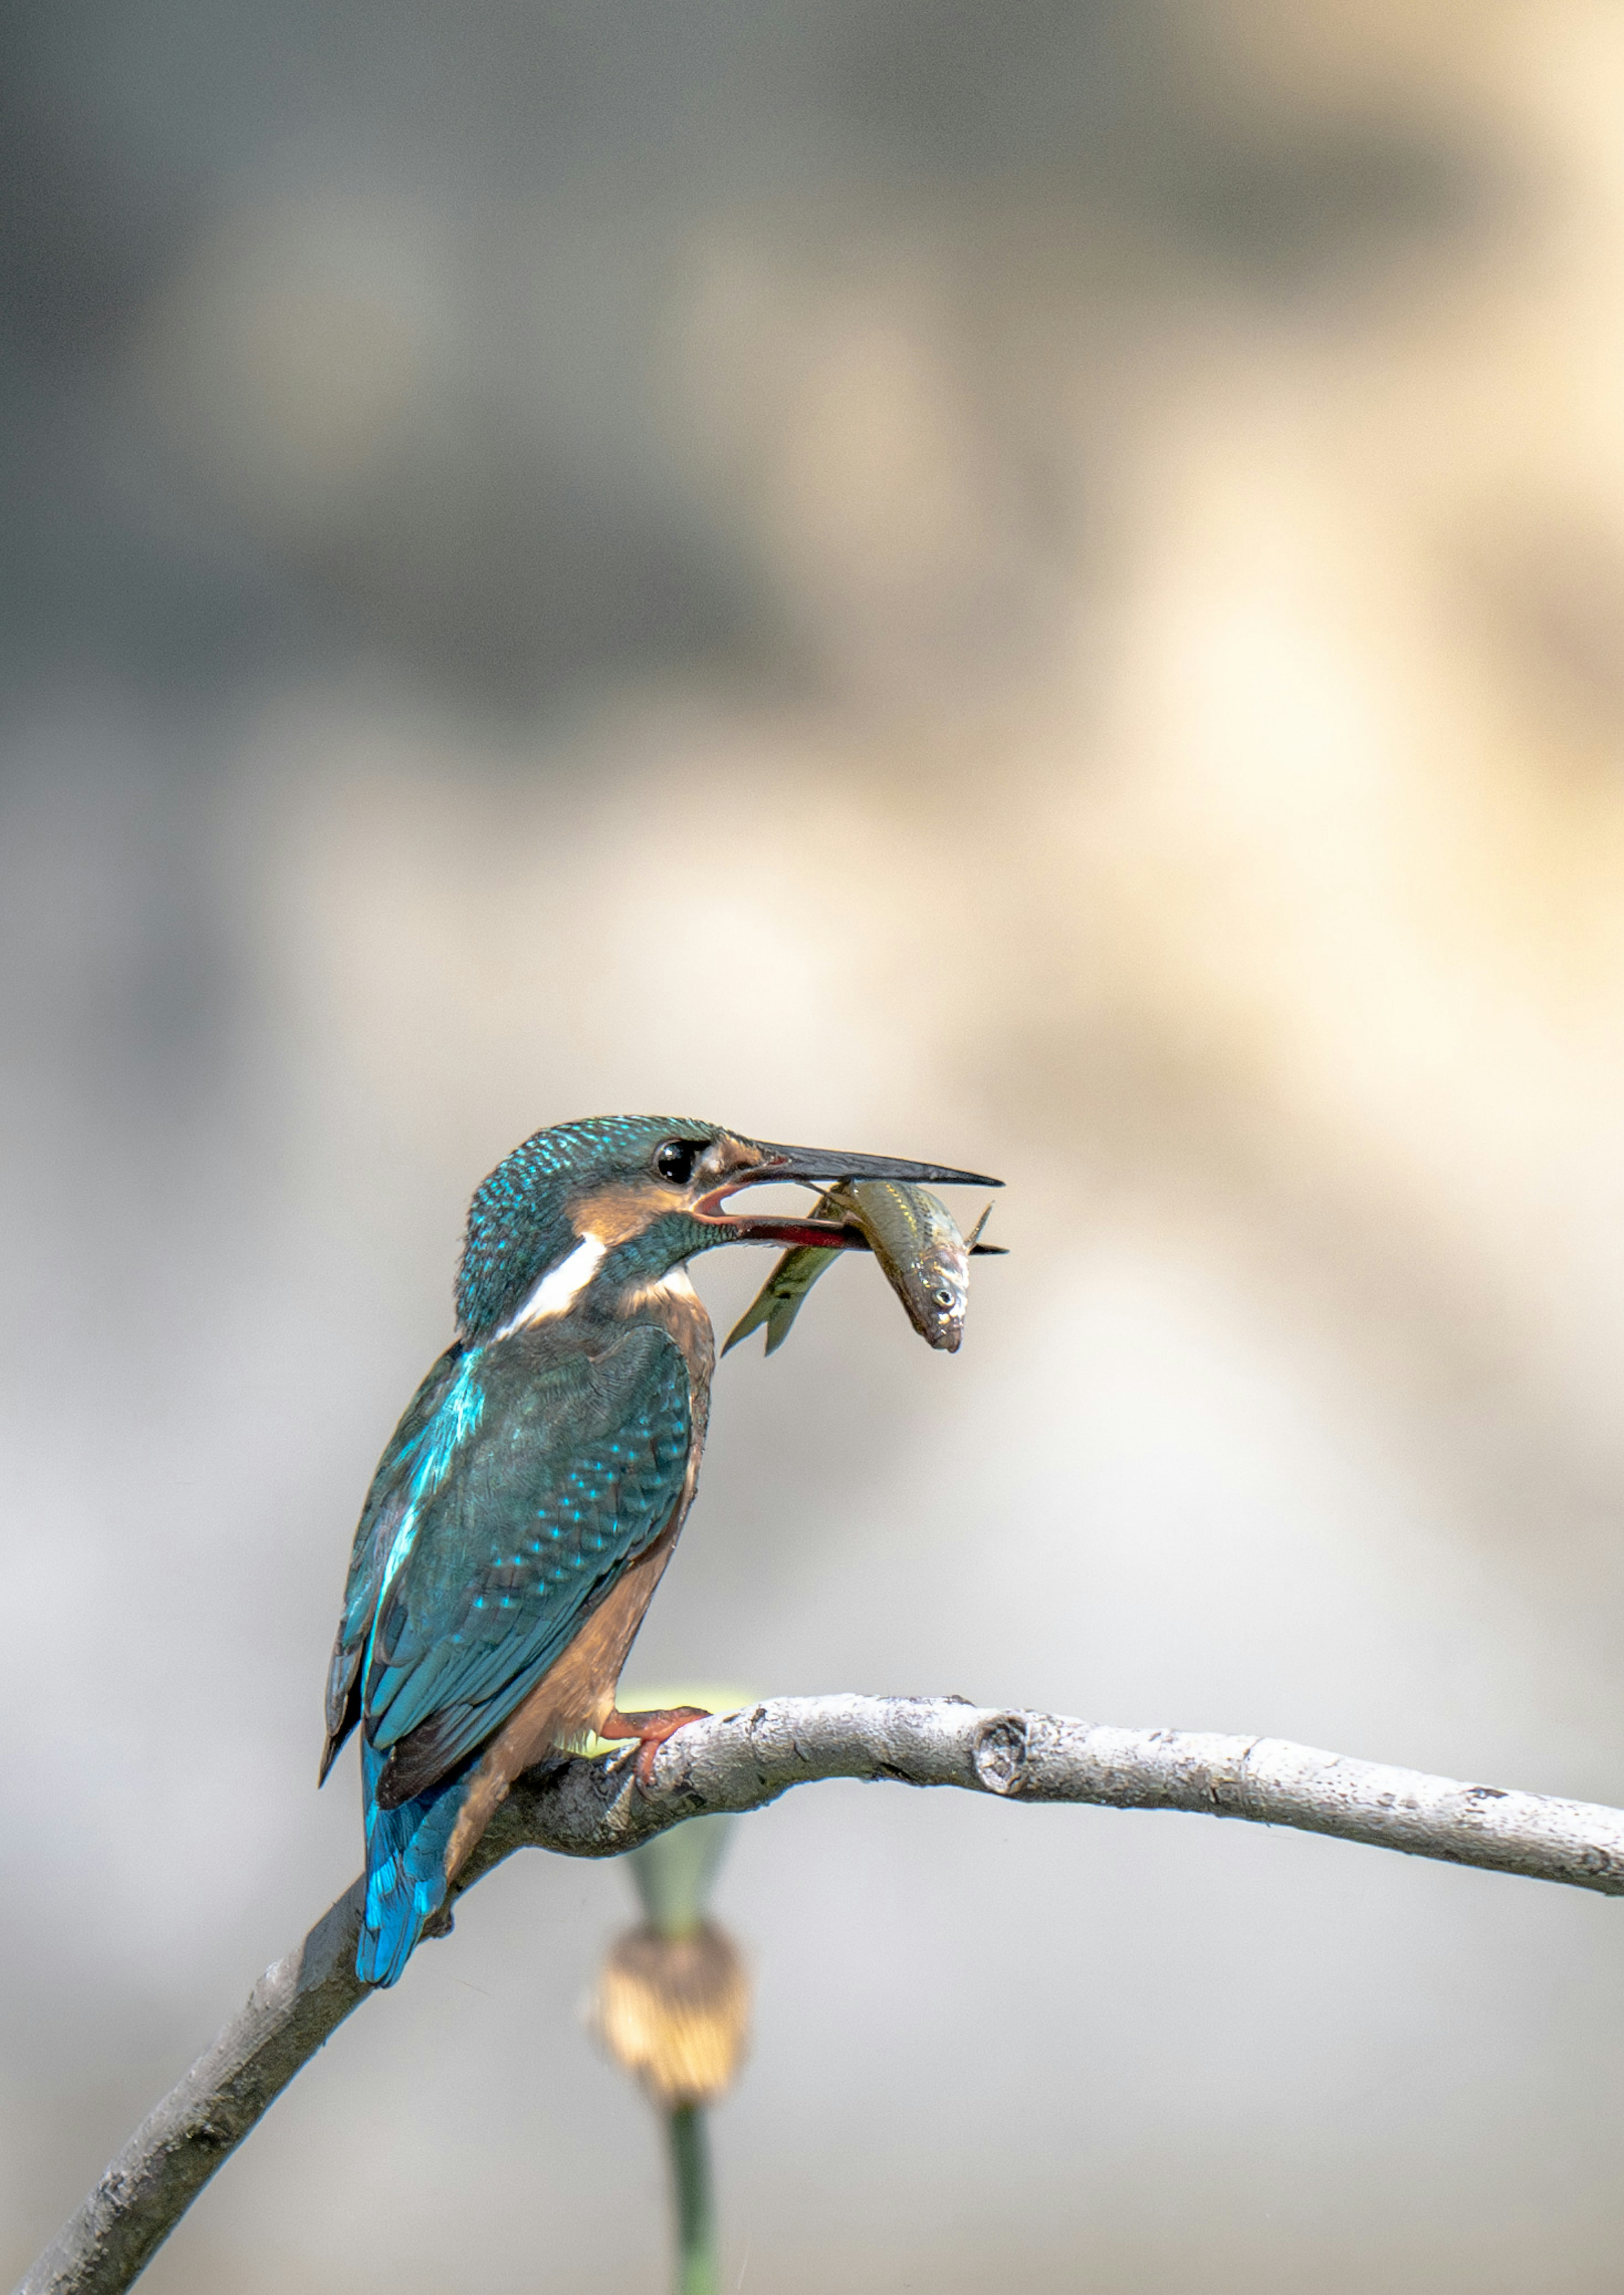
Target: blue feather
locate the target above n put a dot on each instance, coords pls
(539, 1460)
(405, 1869)
(530, 1472)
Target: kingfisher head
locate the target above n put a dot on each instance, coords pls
(615, 1202)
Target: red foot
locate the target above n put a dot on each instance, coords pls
(651, 1731)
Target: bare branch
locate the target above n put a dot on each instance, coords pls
(741, 1761)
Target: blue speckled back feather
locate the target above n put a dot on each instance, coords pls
(570, 1467)
(380, 1520)
(525, 1477)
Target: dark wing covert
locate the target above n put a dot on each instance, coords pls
(575, 1467)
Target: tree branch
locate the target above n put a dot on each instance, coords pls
(743, 1761)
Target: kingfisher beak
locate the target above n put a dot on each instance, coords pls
(763, 1162)
(820, 1166)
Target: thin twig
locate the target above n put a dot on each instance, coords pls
(741, 1761)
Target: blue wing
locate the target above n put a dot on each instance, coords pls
(542, 1471)
(522, 1479)
(381, 1517)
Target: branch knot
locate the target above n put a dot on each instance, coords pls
(1002, 1747)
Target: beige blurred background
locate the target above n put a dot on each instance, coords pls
(1041, 585)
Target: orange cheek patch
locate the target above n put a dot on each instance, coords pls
(619, 1214)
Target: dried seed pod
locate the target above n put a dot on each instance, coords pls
(675, 2011)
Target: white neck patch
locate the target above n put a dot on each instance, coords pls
(559, 1287)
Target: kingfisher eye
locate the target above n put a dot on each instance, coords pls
(676, 1159)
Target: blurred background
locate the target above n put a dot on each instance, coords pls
(1041, 585)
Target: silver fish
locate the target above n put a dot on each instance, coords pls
(914, 1237)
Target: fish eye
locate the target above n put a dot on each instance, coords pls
(942, 1298)
(675, 1160)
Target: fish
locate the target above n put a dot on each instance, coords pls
(777, 1302)
(917, 1242)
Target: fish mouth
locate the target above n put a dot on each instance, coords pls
(816, 1167)
(939, 1327)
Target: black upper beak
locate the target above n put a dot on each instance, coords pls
(822, 1165)
(815, 1167)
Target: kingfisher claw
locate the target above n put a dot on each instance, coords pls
(650, 1730)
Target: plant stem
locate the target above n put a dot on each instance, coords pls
(691, 2175)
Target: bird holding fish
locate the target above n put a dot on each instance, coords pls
(531, 1497)
(915, 1238)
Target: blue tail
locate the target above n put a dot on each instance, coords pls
(405, 1869)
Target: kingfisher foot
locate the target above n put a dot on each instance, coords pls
(651, 1731)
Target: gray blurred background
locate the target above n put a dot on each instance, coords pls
(1038, 584)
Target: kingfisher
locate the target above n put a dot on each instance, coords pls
(529, 1500)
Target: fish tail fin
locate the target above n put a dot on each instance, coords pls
(781, 1298)
(405, 1869)
(754, 1315)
